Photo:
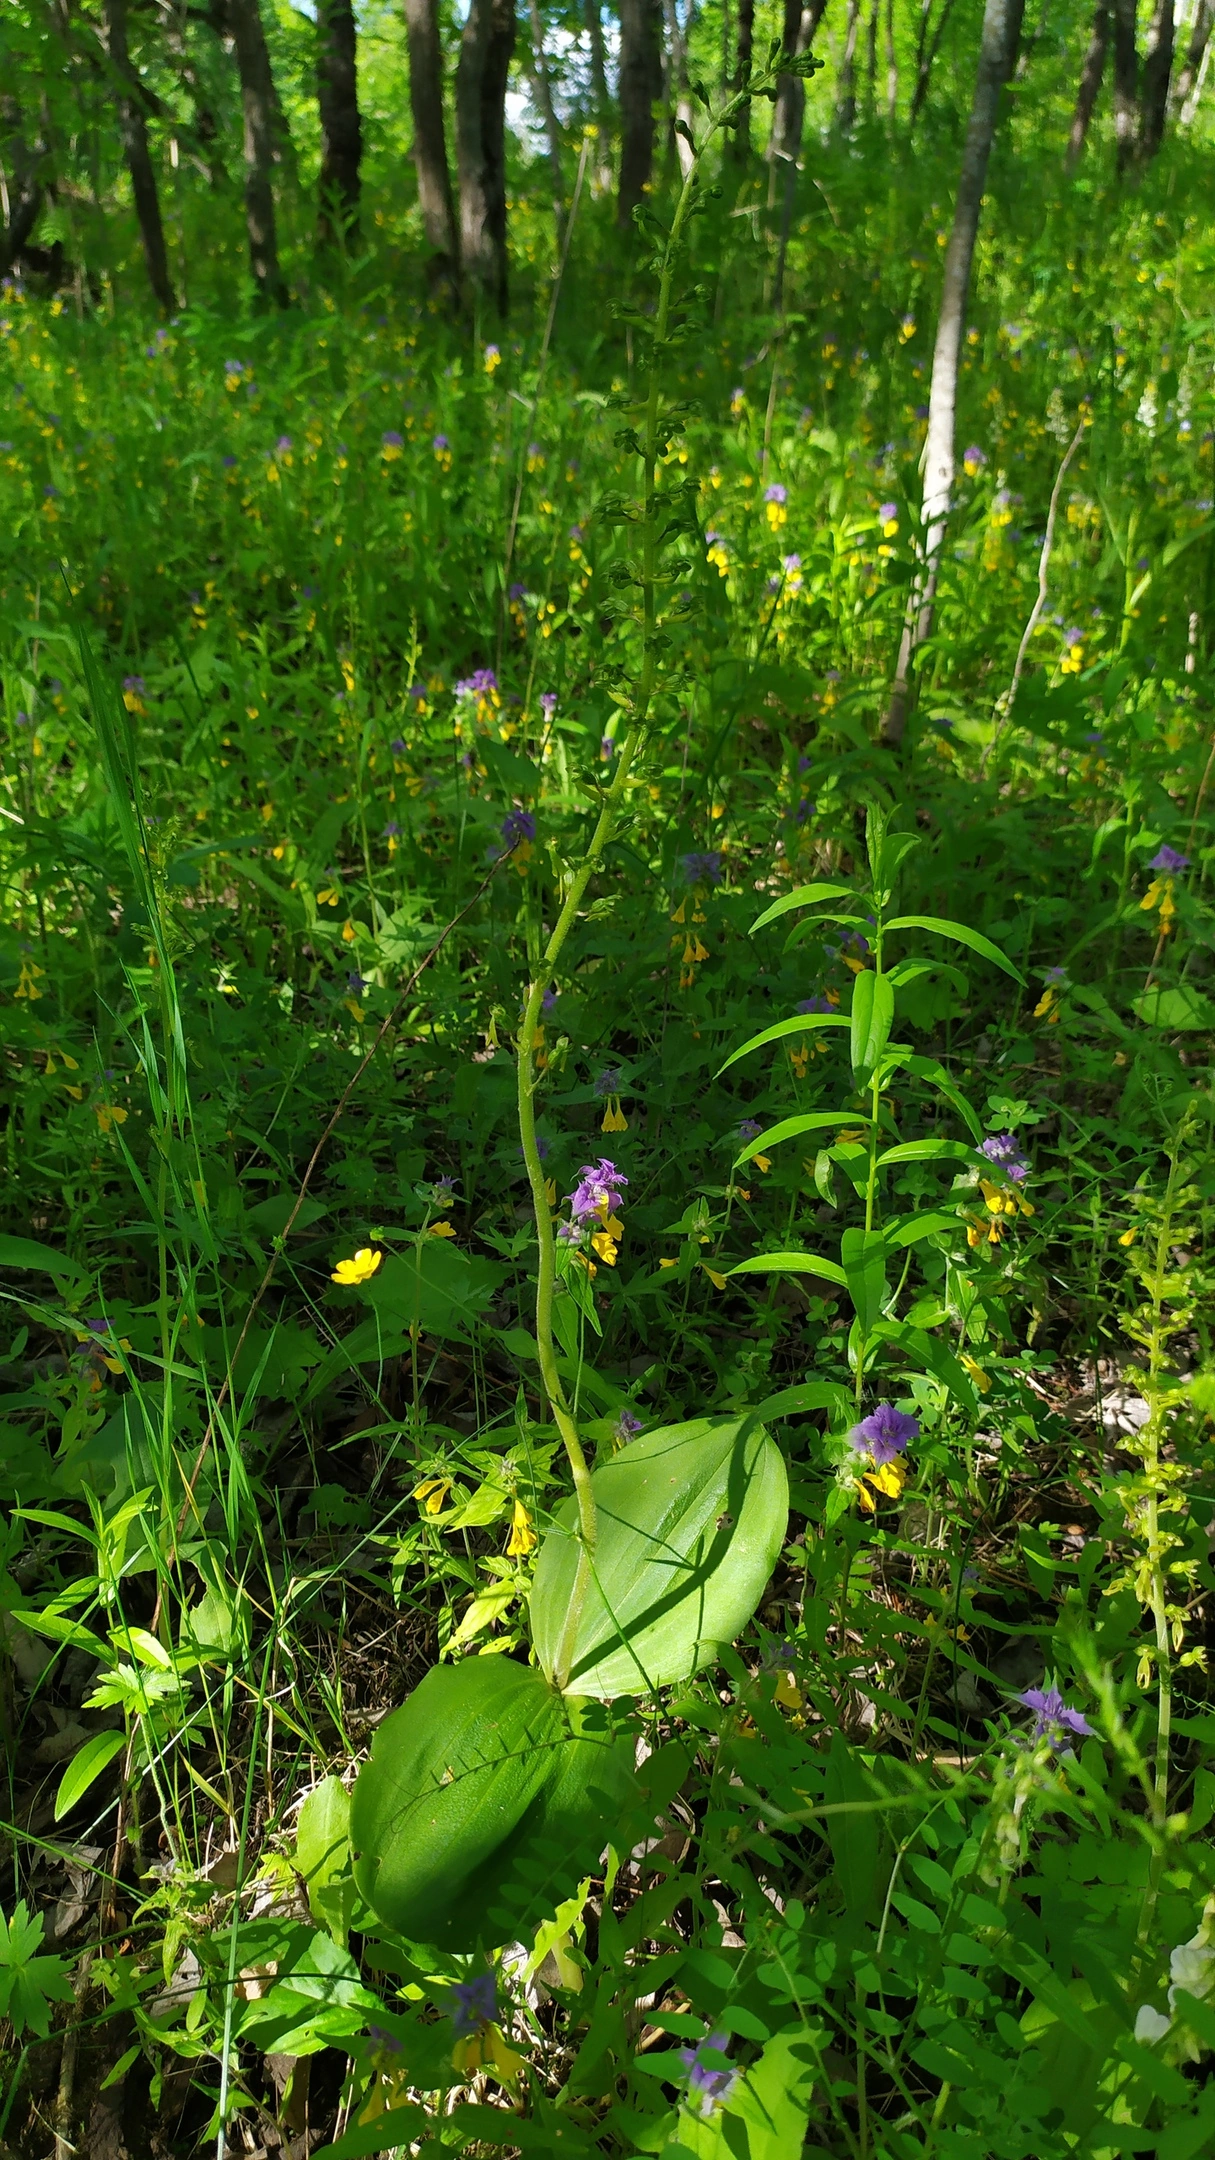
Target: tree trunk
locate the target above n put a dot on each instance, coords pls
(1185, 88)
(1126, 79)
(23, 183)
(845, 95)
(742, 76)
(871, 52)
(1157, 73)
(481, 77)
(1090, 84)
(133, 125)
(640, 88)
(337, 96)
(208, 137)
(435, 200)
(258, 106)
(789, 111)
(544, 99)
(892, 65)
(926, 53)
(997, 54)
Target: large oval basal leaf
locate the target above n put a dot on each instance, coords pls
(691, 1519)
(450, 1776)
(559, 1838)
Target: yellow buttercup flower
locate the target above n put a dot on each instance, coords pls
(360, 1269)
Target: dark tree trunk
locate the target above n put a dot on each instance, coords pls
(1126, 78)
(435, 200)
(871, 53)
(1186, 84)
(599, 95)
(742, 77)
(926, 53)
(1090, 83)
(132, 121)
(997, 57)
(481, 78)
(640, 89)
(1157, 73)
(789, 111)
(23, 182)
(845, 95)
(258, 104)
(892, 64)
(206, 131)
(548, 114)
(337, 95)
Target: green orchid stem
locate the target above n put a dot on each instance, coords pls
(546, 1273)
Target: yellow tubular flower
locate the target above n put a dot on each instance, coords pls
(432, 1492)
(360, 1269)
(522, 1538)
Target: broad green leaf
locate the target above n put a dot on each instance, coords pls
(926, 1151)
(487, 1795)
(27, 1257)
(58, 1628)
(138, 1642)
(691, 1519)
(964, 935)
(1178, 1008)
(791, 1263)
(322, 1838)
(791, 1128)
(780, 1030)
(863, 1253)
(85, 1767)
(805, 896)
(870, 1021)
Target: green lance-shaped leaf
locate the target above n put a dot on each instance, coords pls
(486, 1797)
(791, 1263)
(85, 1768)
(781, 1028)
(805, 896)
(863, 1253)
(927, 1151)
(963, 934)
(871, 1020)
(791, 1128)
(26, 1256)
(691, 1519)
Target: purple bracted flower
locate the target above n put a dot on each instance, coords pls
(597, 1192)
(391, 440)
(776, 493)
(1054, 1719)
(518, 825)
(816, 1004)
(607, 748)
(626, 1427)
(884, 1434)
(356, 983)
(1167, 858)
(477, 684)
(283, 445)
(608, 1082)
(398, 746)
(703, 867)
(1003, 1151)
(392, 830)
(1056, 976)
(749, 1128)
(548, 703)
(887, 511)
(549, 999)
(474, 2003)
(440, 443)
(710, 2078)
(134, 683)
(793, 562)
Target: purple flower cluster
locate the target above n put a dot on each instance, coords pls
(1167, 858)
(776, 493)
(1003, 1151)
(703, 868)
(710, 2078)
(1054, 1719)
(597, 1192)
(474, 2003)
(884, 1434)
(477, 684)
(626, 1427)
(518, 825)
(749, 1128)
(816, 1004)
